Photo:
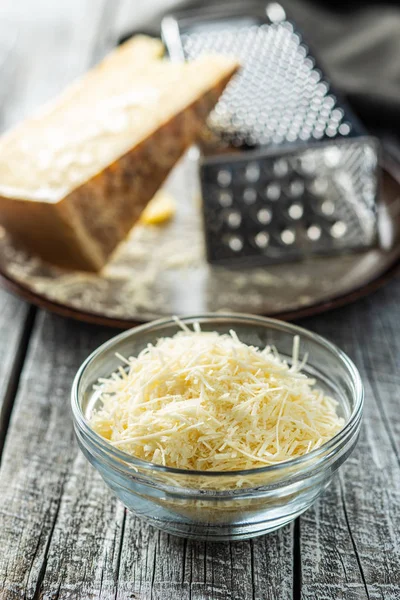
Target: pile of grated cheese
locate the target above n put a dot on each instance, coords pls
(204, 401)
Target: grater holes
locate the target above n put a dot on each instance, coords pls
(273, 192)
(322, 222)
(233, 219)
(320, 125)
(304, 135)
(307, 131)
(318, 134)
(338, 229)
(261, 240)
(311, 118)
(291, 136)
(330, 102)
(296, 211)
(264, 216)
(318, 186)
(314, 233)
(277, 71)
(295, 188)
(235, 243)
(280, 168)
(332, 156)
(224, 177)
(276, 101)
(307, 164)
(309, 63)
(252, 172)
(275, 12)
(322, 89)
(302, 50)
(225, 199)
(249, 196)
(288, 237)
(344, 129)
(315, 76)
(337, 115)
(324, 111)
(331, 131)
(327, 208)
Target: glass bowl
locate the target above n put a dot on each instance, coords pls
(224, 505)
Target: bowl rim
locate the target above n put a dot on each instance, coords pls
(81, 422)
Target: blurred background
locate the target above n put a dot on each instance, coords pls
(357, 42)
(47, 44)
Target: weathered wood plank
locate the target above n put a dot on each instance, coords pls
(15, 325)
(272, 565)
(64, 534)
(82, 556)
(159, 566)
(349, 540)
(381, 354)
(38, 57)
(52, 49)
(43, 476)
(13, 312)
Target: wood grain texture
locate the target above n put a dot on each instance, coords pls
(42, 469)
(159, 566)
(13, 312)
(15, 319)
(62, 533)
(67, 537)
(58, 42)
(350, 539)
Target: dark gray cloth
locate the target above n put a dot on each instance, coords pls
(357, 43)
(360, 49)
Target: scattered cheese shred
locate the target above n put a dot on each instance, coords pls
(204, 401)
(160, 209)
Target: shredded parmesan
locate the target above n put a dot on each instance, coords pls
(204, 401)
(160, 209)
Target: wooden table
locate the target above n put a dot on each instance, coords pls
(62, 533)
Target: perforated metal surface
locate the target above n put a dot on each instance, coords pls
(312, 183)
(279, 96)
(321, 200)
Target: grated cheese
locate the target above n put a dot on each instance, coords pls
(160, 209)
(204, 401)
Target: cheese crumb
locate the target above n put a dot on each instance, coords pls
(160, 209)
(209, 402)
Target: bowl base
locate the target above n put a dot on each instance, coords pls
(220, 533)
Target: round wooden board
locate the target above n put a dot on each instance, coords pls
(359, 275)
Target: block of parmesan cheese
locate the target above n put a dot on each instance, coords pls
(76, 177)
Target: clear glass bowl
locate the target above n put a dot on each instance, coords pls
(211, 505)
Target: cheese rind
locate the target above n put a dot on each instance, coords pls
(74, 179)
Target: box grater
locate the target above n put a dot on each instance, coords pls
(289, 171)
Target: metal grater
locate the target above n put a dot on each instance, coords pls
(293, 172)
